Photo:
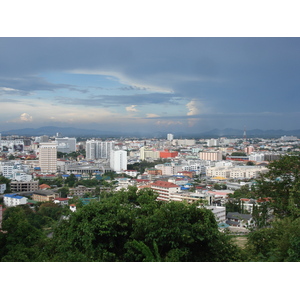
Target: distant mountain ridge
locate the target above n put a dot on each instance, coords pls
(215, 133)
(52, 130)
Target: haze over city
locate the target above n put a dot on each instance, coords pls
(150, 84)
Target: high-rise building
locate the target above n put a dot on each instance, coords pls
(170, 136)
(118, 160)
(98, 149)
(48, 157)
(44, 139)
(66, 145)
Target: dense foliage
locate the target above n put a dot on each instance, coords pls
(131, 226)
(127, 226)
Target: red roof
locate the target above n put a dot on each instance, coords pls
(244, 199)
(164, 184)
(142, 180)
(44, 186)
(61, 199)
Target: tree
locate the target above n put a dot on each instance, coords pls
(133, 226)
(71, 180)
(20, 240)
(7, 182)
(243, 192)
(281, 184)
(64, 191)
(278, 243)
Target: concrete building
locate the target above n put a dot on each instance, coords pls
(11, 146)
(98, 149)
(212, 142)
(147, 153)
(212, 155)
(183, 142)
(44, 195)
(2, 188)
(169, 168)
(164, 189)
(48, 157)
(118, 160)
(66, 144)
(256, 156)
(7, 170)
(24, 186)
(219, 213)
(170, 137)
(80, 190)
(238, 172)
(13, 200)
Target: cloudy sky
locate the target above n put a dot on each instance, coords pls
(150, 84)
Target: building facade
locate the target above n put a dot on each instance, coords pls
(13, 200)
(24, 186)
(66, 144)
(98, 149)
(118, 160)
(48, 157)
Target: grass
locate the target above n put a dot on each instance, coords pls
(240, 241)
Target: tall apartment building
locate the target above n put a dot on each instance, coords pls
(48, 157)
(98, 149)
(66, 145)
(170, 137)
(212, 142)
(212, 155)
(118, 160)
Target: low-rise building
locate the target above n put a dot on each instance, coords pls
(44, 195)
(2, 188)
(219, 213)
(14, 200)
(239, 220)
(80, 190)
(164, 189)
(24, 186)
(61, 201)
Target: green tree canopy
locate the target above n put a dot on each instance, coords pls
(281, 184)
(131, 226)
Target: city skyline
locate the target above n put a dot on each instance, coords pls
(150, 84)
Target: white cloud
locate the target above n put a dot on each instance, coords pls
(26, 117)
(193, 108)
(125, 79)
(168, 123)
(131, 108)
(152, 115)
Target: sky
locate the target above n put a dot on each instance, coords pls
(150, 84)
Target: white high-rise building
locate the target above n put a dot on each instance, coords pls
(98, 149)
(118, 160)
(170, 137)
(66, 145)
(48, 157)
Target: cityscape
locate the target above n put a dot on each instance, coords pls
(149, 149)
(217, 174)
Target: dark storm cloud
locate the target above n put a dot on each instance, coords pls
(235, 75)
(25, 85)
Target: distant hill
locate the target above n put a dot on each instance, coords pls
(65, 131)
(238, 133)
(215, 133)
